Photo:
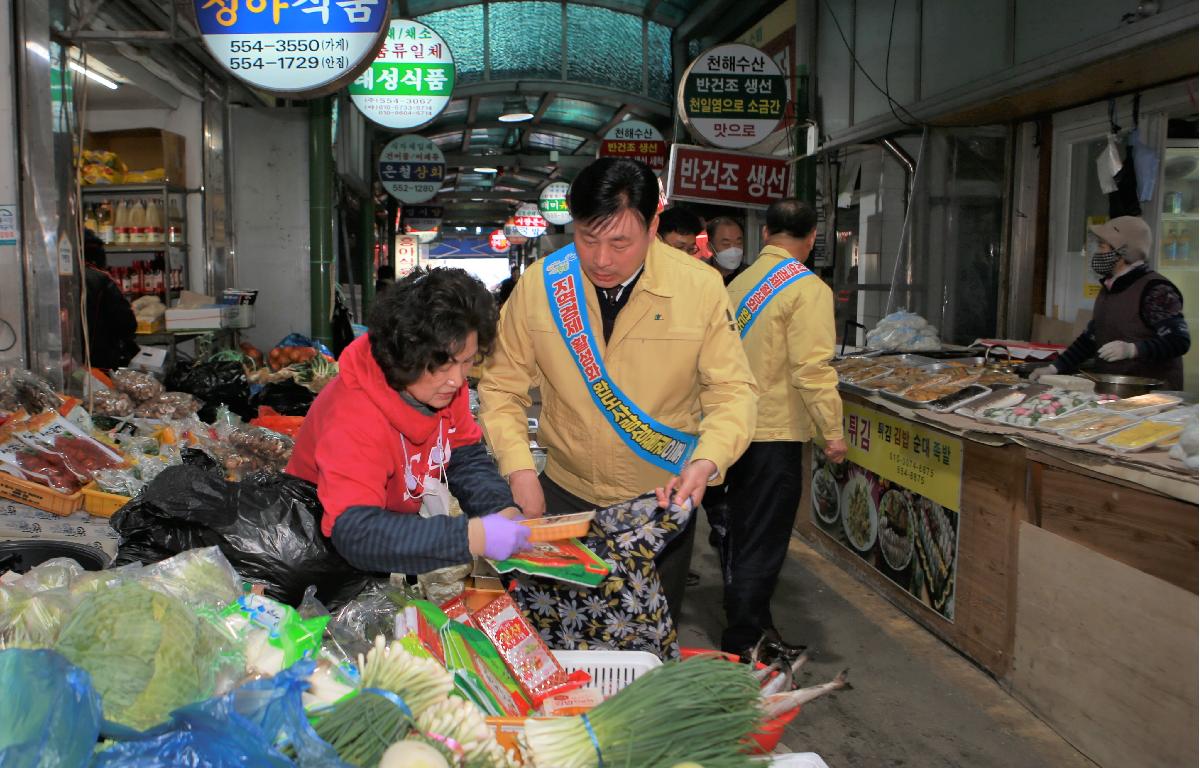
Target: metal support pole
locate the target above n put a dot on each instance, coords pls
(366, 250)
(320, 216)
(389, 234)
(806, 70)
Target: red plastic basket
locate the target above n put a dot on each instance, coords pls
(767, 737)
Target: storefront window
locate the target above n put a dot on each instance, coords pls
(933, 246)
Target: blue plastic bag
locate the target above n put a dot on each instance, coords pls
(49, 713)
(247, 726)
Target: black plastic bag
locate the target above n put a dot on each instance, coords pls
(287, 398)
(216, 382)
(268, 527)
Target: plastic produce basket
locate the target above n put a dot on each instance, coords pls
(610, 671)
(39, 496)
(101, 504)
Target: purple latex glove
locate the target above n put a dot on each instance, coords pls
(502, 538)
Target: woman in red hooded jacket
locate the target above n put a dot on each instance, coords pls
(392, 436)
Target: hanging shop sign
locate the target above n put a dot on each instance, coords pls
(511, 232)
(408, 255)
(733, 96)
(529, 221)
(423, 221)
(412, 168)
(553, 203)
(301, 48)
(497, 241)
(410, 81)
(895, 502)
(736, 179)
(636, 140)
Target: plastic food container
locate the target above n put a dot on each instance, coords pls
(1143, 404)
(1102, 427)
(560, 527)
(100, 503)
(1071, 420)
(38, 495)
(1142, 436)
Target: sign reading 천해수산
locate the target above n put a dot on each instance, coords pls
(553, 203)
(636, 140)
(299, 47)
(410, 81)
(412, 168)
(732, 96)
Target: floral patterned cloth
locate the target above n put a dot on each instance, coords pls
(628, 610)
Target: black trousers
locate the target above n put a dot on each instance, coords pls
(672, 563)
(764, 489)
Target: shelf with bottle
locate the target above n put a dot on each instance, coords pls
(136, 223)
(1178, 246)
(148, 278)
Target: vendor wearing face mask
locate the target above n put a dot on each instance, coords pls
(391, 437)
(725, 242)
(1137, 326)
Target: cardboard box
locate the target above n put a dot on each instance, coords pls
(144, 149)
(199, 319)
(150, 359)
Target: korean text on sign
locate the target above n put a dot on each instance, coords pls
(922, 460)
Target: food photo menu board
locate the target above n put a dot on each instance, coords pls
(867, 503)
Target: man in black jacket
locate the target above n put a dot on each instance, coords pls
(111, 325)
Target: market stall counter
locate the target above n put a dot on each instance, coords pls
(1037, 530)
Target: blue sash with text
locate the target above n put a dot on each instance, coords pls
(652, 441)
(768, 288)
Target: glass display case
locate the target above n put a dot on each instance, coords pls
(1178, 230)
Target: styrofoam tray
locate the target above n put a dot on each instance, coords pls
(1091, 438)
(1171, 402)
(1106, 441)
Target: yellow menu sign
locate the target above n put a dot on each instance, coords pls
(922, 460)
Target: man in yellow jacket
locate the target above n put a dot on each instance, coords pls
(631, 342)
(785, 317)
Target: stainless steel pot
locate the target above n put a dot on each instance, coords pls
(1122, 386)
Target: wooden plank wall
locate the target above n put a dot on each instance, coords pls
(993, 496)
(1106, 654)
(1153, 533)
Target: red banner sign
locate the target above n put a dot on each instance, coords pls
(727, 178)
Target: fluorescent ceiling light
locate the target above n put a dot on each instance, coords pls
(515, 110)
(486, 169)
(92, 75)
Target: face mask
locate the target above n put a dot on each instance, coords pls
(730, 258)
(1103, 262)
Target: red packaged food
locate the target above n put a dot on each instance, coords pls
(456, 609)
(51, 434)
(527, 657)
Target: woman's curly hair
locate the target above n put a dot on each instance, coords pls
(422, 322)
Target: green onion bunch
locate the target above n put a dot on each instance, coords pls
(362, 728)
(700, 710)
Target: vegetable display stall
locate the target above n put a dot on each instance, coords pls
(1037, 556)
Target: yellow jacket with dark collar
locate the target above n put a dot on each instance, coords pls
(789, 348)
(674, 352)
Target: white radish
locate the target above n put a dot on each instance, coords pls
(412, 754)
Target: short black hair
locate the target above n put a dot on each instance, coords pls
(790, 216)
(679, 219)
(94, 252)
(717, 223)
(610, 185)
(422, 322)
